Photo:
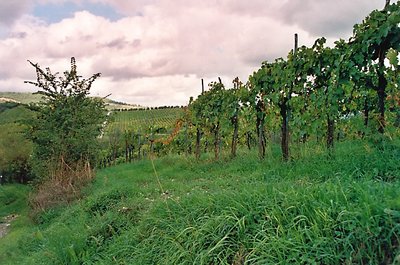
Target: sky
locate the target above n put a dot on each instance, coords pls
(155, 52)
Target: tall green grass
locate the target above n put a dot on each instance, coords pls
(317, 209)
(14, 201)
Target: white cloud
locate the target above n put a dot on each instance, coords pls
(158, 52)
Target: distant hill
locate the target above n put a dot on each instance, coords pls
(112, 104)
(27, 98)
(20, 97)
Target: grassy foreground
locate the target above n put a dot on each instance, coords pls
(315, 210)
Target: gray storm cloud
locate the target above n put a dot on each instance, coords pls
(12, 10)
(326, 17)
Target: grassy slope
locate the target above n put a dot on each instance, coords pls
(13, 200)
(27, 98)
(22, 97)
(15, 115)
(332, 211)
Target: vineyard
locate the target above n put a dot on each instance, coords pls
(317, 94)
(133, 134)
(144, 119)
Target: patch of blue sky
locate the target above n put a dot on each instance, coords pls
(52, 13)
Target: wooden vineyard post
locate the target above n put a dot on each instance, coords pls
(382, 84)
(126, 135)
(198, 130)
(198, 139)
(216, 130)
(286, 112)
(151, 147)
(235, 118)
(139, 146)
(235, 136)
(260, 120)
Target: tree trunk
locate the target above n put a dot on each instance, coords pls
(366, 113)
(139, 147)
(235, 122)
(284, 130)
(186, 139)
(387, 4)
(260, 128)
(151, 147)
(216, 141)
(115, 154)
(397, 121)
(248, 140)
(260, 135)
(382, 83)
(381, 103)
(330, 133)
(126, 150)
(198, 138)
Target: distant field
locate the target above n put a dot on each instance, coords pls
(26, 98)
(132, 118)
(142, 120)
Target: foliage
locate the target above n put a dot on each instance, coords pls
(13, 199)
(319, 86)
(130, 134)
(21, 97)
(371, 45)
(68, 121)
(14, 154)
(15, 149)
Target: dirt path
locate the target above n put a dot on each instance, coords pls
(5, 223)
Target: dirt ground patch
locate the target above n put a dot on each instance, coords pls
(5, 223)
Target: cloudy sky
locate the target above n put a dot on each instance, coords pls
(154, 52)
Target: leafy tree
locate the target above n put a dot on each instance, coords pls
(214, 112)
(198, 120)
(260, 85)
(68, 122)
(372, 40)
(329, 74)
(232, 107)
(394, 84)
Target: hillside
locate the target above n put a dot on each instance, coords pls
(20, 97)
(142, 120)
(315, 210)
(27, 98)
